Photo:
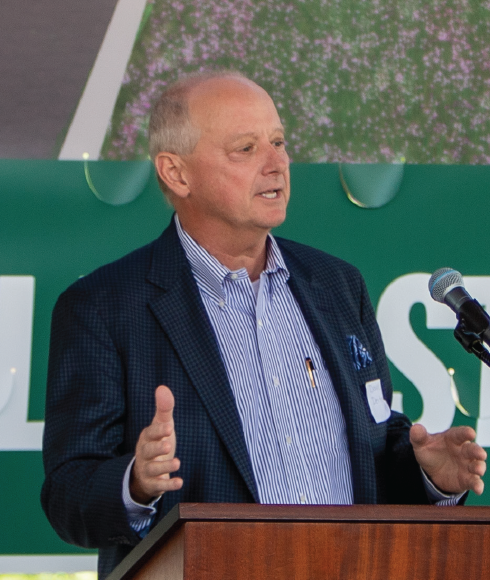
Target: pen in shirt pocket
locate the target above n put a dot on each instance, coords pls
(309, 369)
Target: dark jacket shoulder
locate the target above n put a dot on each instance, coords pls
(319, 267)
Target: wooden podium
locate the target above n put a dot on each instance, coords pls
(255, 542)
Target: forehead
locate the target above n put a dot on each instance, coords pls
(232, 106)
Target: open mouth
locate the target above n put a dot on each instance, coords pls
(271, 194)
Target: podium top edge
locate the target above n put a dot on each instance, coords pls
(331, 513)
(184, 513)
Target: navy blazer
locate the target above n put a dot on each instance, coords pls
(139, 322)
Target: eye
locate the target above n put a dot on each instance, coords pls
(278, 143)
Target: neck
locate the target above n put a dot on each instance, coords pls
(234, 251)
(252, 260)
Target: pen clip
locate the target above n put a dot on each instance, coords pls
(309, 369)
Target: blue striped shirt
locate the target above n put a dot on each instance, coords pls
(295, 433)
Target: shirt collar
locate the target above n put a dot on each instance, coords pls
(210, 274)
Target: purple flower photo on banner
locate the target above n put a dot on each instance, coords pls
(365, 82)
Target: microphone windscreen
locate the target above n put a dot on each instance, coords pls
(443, 279)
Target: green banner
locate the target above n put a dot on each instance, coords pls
(61, 219)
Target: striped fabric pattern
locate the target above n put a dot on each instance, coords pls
(295, 432)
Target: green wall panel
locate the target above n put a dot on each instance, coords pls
(54, 228)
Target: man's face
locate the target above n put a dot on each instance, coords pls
(238, 174)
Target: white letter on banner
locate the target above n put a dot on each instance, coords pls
(16, 316)
(409, 354)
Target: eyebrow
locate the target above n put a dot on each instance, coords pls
(251, 134)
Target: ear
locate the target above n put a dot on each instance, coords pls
(169, 167)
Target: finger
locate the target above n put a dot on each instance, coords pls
(157, 431)
(418, 435)
(156, 450)
(164, 401)
(150, 479)
(476, 485)
(157, 469)
(477, 467)
(173, 484)
(473, 451)
(460, 435)
(164, 485)
(158, 486)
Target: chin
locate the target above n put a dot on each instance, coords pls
(273, 223)
(278, 218)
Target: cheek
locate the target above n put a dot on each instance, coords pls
(221, 183)
(236, 183)
(207, 185)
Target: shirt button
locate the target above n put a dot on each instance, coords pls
(259, 322)
(302, 498)
(221, 303)
(234, 276)
(276, 381)
(288, 440)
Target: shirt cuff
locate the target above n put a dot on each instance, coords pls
(436, 496)
(140, 516)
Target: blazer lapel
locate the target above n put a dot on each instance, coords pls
(183, 318)
(328, 328)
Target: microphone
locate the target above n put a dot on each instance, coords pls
(446, 286)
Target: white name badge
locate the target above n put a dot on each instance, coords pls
(380, 409)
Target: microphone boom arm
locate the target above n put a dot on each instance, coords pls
(471, 342)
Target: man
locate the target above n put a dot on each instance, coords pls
(274, 387)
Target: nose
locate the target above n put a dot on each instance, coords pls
(276, 160)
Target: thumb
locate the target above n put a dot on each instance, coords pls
(418, 435)
(164, 401)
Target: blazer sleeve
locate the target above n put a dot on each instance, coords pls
(83, 451)
(400, 478)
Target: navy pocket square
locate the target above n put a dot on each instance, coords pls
(360, 354)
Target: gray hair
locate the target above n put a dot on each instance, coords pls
(170, 128)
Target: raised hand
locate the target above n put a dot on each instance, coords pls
(155, 453)
(452, 460)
